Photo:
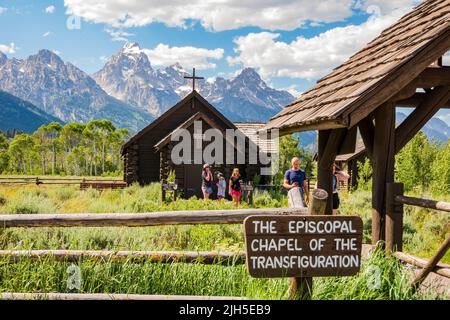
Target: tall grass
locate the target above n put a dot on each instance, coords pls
(379, 278)
(424, 231)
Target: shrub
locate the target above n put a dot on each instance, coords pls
(264, 199)
(2, 200)
(64, 194)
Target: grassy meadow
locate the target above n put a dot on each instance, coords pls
(379, 278)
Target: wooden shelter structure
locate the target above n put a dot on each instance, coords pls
(363, 93)
(147, 155)
(349, 161)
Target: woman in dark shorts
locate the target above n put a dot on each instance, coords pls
(207, 181)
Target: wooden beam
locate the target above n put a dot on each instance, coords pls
(431, 265)
(417, 119)
(416, 100)
(424, 203)
(383, 167)
(349, 141)
(367, 130)
(139, 219)
(440, 269)
(405, 93)
(394, 218)
(329, 144)
(432, 77)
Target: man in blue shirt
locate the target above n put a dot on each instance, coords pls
(296, 178)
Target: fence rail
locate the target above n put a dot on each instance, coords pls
(139, 219)
(104, 296)
(201, 257)
(83, 182)
(394, 231)
(424, 203)
(440, 269)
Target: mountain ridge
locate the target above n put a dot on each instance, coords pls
(21, 115)
(129, 76)
(61, 89)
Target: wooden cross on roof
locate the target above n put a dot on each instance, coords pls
(193, 77)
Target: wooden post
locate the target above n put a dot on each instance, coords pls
(383, 166)
(330, 142)
(302, 287)
(432, 263)
(318, 202)
(394, 218)
(324, 174)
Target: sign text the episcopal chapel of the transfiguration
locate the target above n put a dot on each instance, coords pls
(303, 246)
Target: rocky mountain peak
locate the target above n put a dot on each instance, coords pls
(47, 57)
(249, 73)
(131, 48)
(178, 67)
(3, 58)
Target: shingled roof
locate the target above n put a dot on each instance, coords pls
(373, 75)
(250, 129)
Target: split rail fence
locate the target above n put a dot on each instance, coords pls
(394, 232)
(82, 182)
(130, 220)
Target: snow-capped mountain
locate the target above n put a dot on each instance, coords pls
(129, 76)
(64, 91)
(435, 128)
(245, 97)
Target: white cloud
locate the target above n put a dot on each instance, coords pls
(50, 9)
(217, 15)
(382, 7)
(103, 59)
(307, 58)
(3, 9)
(48, 33)
(293, 90)
(10, 49)
(200, 58)
(57, 52)
(118, 35)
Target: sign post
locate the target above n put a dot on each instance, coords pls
(303, 246)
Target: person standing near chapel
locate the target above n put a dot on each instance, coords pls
(338, 175)
(207, 181)
(296, 178)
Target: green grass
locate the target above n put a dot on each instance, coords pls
(425, 230)
(379, 278)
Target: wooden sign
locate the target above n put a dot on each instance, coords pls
(247, 187)
(303, 246)
(170, 186)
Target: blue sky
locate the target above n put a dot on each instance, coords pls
(291, 43)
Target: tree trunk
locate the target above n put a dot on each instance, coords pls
(54, 158)
(43, 164)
